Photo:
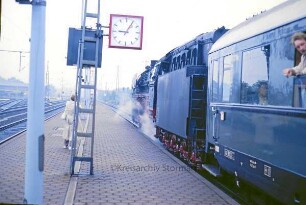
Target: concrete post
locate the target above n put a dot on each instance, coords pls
(34, 167)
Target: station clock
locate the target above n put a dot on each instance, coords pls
(125, 31)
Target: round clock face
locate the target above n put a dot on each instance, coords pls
(126, 31)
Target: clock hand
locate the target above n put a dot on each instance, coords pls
(130, 26)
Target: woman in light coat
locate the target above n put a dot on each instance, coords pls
(68, 116)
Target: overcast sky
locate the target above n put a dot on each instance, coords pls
(167, 24)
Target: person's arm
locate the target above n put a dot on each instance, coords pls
(297, 70)
(289, 72)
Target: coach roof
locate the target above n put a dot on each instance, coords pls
(284, 13)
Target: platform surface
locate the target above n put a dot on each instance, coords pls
(129, 168)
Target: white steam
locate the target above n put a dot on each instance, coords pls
(125, 109)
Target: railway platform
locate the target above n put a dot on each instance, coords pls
(129, 168)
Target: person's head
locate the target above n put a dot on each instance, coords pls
(72, 97)
(299, 41)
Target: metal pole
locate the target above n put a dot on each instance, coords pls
(47, 94)
(33, 193)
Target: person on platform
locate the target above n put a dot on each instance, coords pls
(68, 116)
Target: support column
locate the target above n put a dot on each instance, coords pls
(33, 190)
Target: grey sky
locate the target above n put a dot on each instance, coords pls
(167, 24)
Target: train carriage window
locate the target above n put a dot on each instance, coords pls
(215, 83)
(255, 76)
(229, 64)
(299, 92)
(299, 88)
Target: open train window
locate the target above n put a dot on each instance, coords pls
(299, 85)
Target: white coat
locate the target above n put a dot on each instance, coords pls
(68, 116)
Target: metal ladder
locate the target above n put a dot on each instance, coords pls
(197, 108)
(85, 84)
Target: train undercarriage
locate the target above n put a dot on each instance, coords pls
(191, 151)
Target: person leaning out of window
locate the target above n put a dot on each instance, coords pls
(299, 42)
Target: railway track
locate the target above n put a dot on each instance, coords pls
(13, 119)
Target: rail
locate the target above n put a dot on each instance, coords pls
(13, 122)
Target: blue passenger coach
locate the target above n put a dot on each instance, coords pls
(256, 116)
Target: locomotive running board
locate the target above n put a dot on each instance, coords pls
(213, 170)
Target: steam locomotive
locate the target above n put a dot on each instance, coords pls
(204, 98)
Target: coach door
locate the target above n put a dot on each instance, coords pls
(214, 97)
